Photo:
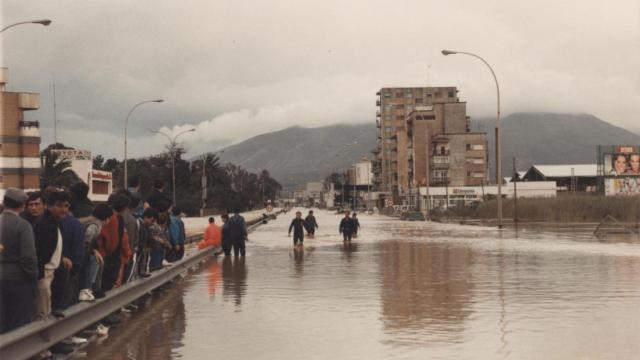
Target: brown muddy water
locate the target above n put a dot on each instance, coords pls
(401, 290)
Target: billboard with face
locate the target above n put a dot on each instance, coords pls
(621, 165)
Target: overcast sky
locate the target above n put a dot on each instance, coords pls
(234, 69)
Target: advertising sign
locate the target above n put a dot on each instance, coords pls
(621, 170)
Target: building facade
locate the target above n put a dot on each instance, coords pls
(100, 182)
(19, 139)
(424, 138)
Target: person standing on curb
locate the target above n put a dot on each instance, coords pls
(346, 226)
(238, 233)
(18, 264)
(177, 235)
(115, 248)
(93, 261)
(48, 239)
(226, 238)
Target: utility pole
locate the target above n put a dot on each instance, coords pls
(55, 115)
(355, 180)
(204, 185)
(515, 193)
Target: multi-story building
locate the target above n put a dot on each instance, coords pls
(19, 139)
(424, 133)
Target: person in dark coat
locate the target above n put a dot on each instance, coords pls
(81, 206)
(36, 204)
(226, 238)
(65, 285)
(346, 226)
(297, 224)
(48, 239)
(159, 199)
(18, 264)
(237, 233)
(310, 224)
(356, 224)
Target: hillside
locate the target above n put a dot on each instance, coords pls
(296, 155)
(551, 138)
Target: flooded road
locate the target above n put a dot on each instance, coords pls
(402, 290)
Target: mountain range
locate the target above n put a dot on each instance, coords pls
(297, 155)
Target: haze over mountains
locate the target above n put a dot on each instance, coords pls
(296, 155)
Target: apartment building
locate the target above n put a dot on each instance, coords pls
(424, 133)
(19, 139)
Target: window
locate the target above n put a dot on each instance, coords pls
(100, 187)
(399, 94)
(468, 173)
(429, 117)
(389, 106)
(409, 108)
(451, 94)
(408, 94)
(428, 95)
(387, 117)
(438, 94)
(478, 175)
(477, 147)
(400, 117)
(387, 128)
(468, 147)
(419, 100)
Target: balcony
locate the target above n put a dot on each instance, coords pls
(440, 162)
(378, 102)
(378, 113)
(29, 101)
(439, 181)
(378, 123)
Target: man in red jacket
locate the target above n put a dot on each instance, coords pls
(114, 244)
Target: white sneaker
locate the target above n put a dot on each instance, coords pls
(75, 340)
(102, 330)
(166, 263)
(86, 295)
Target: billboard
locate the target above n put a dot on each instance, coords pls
(620, 166)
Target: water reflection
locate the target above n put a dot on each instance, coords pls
(155, 331)
(426, 291)
(234, 279)
(214, 275)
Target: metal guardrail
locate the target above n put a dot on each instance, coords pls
(35, 337)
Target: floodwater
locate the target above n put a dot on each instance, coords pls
(401, 290)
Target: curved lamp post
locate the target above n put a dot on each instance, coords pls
(498, 153)
(126, 122)
(45, 22)
(172, 144)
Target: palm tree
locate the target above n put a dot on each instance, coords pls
(55, 170)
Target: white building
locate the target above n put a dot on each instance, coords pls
(467, 195)
(364, 175)
(100, 182)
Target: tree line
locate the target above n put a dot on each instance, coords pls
(228, 186)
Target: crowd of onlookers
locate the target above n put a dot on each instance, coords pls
(57, 248)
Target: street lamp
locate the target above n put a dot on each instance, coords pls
(126, 121)
(498, 153)
(45, 22)
(172, 144)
